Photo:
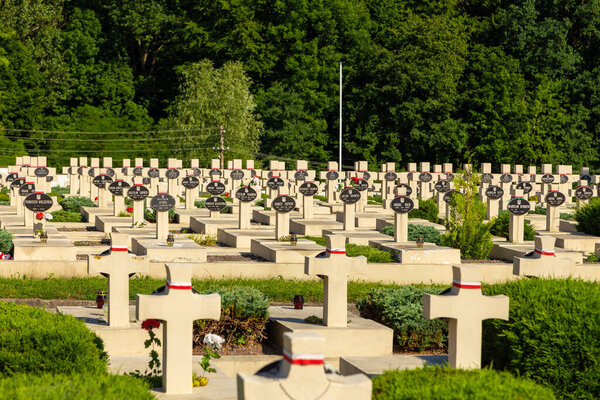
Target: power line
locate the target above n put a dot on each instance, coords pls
(96, 140)
(215, 128)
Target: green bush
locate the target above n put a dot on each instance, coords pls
(319, 197)
(74, 203)
(4, 198)
(567, 216)
(73, 387)
(538, 210)
(588, 217)
(150, 215)
(552, 337)
(373, 255)
(65, 216)
(428, 209)
(401, 309)
(6, 243)
(242, 302)
(200, 203)
(35, 341)
(434, 383)
(429, 233)
(500, 224)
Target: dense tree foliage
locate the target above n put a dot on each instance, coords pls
(504, 81)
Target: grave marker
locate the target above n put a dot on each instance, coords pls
(401, 205)
(493, 193)
(162, 203)
(138, 194)
(349, 196)
(554, 199)
(245, 195)
(308, 190)
(517, 207)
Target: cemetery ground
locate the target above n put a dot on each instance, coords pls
(210, 284)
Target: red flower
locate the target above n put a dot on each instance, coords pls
(39, 215)
(227, 194)
(355, 179)
(96, 198)
(129, 209)
(150, 324)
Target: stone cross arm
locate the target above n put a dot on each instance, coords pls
(455, 307)
(183, 305)
(109, 265)
(334, 262)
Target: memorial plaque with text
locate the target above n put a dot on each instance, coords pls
(390, 176)
(100, 181)
(494, 192)
(402, 204)
(442, 186)
(584, 192)
(555, 199)
(300, 175)
(349, 196)
(41, 172)
(190, 182)
(138, 171)
(449, 195)
(125, 171)
(153, 173)
(215, 203)
(526, 187)
(246, 194)
(92, 172)
(407, 187)
(146, 180)
(172, 173)
(252, 172)
(548, 178)
(361, 185)
(564, 178)
(138, 192)
(487, 178)
(215, 188)
(11, 177)
(49, 178)
(425, 177)
(308, 189)
(197, 172)
(237, 174)
(162, 202)
(17, 183)
(283, 204)
(110, 172)
(117, 187)
(366, 175)
(518, 206)
(38, 202)
(275, 183)
(449, 176)
(585, 178)
(214, 172)
(332, 175)
(506, 178)
(80, 170)
(26, 189)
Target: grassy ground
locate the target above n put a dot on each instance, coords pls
(278, 290)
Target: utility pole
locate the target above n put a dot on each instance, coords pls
(340, 166)
(222, 131)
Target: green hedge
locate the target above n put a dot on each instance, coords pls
(435, 383)
(6, 243)
(552, 337)
(74, 203)
(73, 387)
(401, 309)
(429, 233)
(588, 218)
(500, 226)
(65, 216)
(428, 209)
(35, 341)
(242, 302)
(372, 254)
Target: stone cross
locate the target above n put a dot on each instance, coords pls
(118, 265)
(552, 212)
(332, 166)
(516, 223)
(465, 307)
(333, 266)
(543, 261)
(84, 181)
(177, 306)
(401, 220)
(73, 177)
(301, 375)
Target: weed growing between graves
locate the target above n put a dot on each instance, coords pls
(500, 225)
(74, 203)
(401, 308)
(591, 258)
(428, 233)
(6, 243)
(150, 215)
(4, 196)
(588, 218)
(428, 209)
(204, 240)
(433, 383)
(552, 336)
(65, 216)
(319, 197)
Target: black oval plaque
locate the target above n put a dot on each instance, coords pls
(283, 204)
(494, 192)
(17, 183)
(366, 175)
(487, 178)
(300, 175)
(38, 202)
(215, 188)
(425, 177)
(442, 186)
(246, 194)
(518, 206)
(162, 202)
(172, 173)
(49, 178)
(41, 172)
(555, 199)
(92, 172)
(584, 192)
(214, 172)
(146, 180)
(449, 176)
(332, 175)
(548, 178)
(349, 196)
(215, 203)
(506, 178)
(275, 183)
(526, 187)
(125, 171)
(26, 189)
(237, 174)
(101, 180)
(585, 178)
(361, 185)
(110, 172)
(449, 195)
(153, 173)
(308, 189)
(11, 177)
(138, 171)
(138, 192)
(190, 182)
(80, 170)
(402, 204)
(390, 176)
(405, 186)
(197, 172)
(564, 178)
(117, 187)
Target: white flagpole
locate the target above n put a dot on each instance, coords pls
(340, 161)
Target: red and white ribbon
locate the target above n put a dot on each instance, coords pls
(303, 359)
(466, 284)
(118, 248)
(335, 251)
(544, 252)
(179, 285)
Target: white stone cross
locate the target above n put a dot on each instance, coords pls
(334, 267)
(300, 375)
(118, 264)
(177, 306)
(465, 307)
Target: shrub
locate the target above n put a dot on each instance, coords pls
(567, 216)
(204, 240)
(588, 217)
(4, 198)
(428, 209)
(401, 309)
(538, 210)
(429, 233)
(6, 243)
(552, 337)
(65, 216)
(500, 224)
(33, 340)
(373, 255)
(150, 215)
(200, 203)
(73, 387)
(74, 203)
(244, 314)
(319, 197)
(455, 384)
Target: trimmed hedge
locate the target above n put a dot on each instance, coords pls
(588, 218)
(6, 243)
(74, 203)
(428, 209)
(500, 226)
(65, 216)
(552, 337)
(429, 233)
(35, 341)
(453, 384)
(73, 387)
(401, 309)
